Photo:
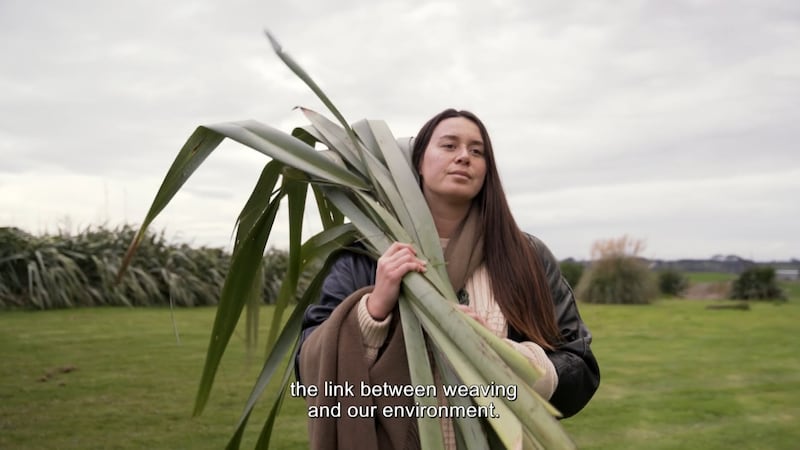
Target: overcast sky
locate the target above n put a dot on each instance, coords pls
(674, 122)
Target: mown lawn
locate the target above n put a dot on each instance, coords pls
(709, 277)
(675, 375)
(133, 386)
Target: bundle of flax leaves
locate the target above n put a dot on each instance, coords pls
(364, 176)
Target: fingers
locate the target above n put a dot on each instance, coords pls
(399, 250)
(393, 265)
(399, 259)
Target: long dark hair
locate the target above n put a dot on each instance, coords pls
(516, 272)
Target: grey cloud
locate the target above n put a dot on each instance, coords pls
(578, 97)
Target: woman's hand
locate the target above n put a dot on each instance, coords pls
(471, 312)
(393, 265)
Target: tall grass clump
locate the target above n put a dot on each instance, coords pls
(617, 274)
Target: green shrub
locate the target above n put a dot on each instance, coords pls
(672, 282)
(617, 274)
(757, 283)
(572, 271)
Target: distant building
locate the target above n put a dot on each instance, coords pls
(787, 274)
(788, 270)
(719, 264)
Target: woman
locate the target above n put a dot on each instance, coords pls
(507, 280)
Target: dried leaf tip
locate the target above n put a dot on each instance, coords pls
(276, 46)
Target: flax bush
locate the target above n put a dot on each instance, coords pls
(357, 171)
(66, 270)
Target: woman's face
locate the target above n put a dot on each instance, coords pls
(453, 167)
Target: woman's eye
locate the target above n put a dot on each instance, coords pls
(477, 152)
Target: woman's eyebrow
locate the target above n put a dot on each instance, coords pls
(454, 137)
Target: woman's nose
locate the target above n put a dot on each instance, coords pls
(463, 155)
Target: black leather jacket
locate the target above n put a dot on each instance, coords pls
(578, 372)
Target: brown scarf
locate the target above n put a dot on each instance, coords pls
(334, 353)
(464, 252)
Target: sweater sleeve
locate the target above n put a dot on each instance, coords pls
(484, 304)
(373, 332)
(546, 384)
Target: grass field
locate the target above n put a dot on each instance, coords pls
(675, 376)
(133, 386)
(709, 277)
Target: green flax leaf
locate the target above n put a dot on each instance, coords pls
(419, 367)
(296, 192)
(244, 262)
